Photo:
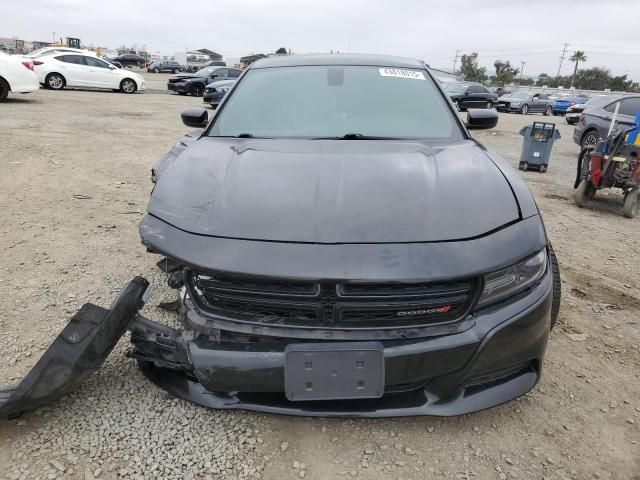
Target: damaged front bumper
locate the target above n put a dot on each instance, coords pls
(496, 359)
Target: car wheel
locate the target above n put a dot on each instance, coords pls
(4, 89)
(631, 205)
(585, 192)
(55, 81)
(176, 70)
(489, 104)
(590, 139)
(197, 90)
(156, 70)
(128, 86)
(456, 104)
(548, 111)
(525, 166)
(524, 109)
(557, 286)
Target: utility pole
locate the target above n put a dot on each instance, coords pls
(521, 70)
(562, 57)
(455, 60)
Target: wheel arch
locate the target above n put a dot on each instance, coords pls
(2, 79)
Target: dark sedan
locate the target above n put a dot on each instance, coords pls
(341, 245)
(470, 95)
(215, 92)
(130, 60)
(593, 124)
(195, 83)
(525, 102)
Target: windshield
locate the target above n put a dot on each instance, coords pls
(206, 71)
(522, 95)
(455, 88)
(334, 101)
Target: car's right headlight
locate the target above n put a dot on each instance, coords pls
(510, 281)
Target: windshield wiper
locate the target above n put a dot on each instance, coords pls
(356, 136)
(244, 135)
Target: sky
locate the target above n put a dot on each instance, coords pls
(519, 31)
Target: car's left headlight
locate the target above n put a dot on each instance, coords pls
(515, 104)
(224, 89)
(510, 281)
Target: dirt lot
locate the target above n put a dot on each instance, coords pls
(74, 185)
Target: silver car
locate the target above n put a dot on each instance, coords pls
(525, 102)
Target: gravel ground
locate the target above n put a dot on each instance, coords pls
(75, 184)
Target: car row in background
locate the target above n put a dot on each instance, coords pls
(562, 104)
(465, 95)
(215, 92)
(58, 71)
(16, 75)
(195, 83)
(595, 120)
(525, 102)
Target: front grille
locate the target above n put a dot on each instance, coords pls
(353, 305)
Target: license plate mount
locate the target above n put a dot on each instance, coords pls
(334, 371)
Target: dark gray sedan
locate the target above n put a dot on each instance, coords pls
(593, 124)
(525, 102)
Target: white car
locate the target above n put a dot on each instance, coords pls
(61, 70)
(50, 50)
(16, 76)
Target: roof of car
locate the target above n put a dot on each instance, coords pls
(337, 59)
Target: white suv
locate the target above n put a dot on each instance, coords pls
(16, 76)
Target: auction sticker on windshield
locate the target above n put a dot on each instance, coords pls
(401, 73)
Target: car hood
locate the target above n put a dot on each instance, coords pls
(324, 191)
(221, 83)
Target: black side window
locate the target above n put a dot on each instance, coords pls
(474, 89)
(611, 108)
(94, 62)
(630, 107)
(482, 90)
(76, 59)
(221, 72)
(234, 73)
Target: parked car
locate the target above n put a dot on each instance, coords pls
(130, 60)
(500, 91)
(164, 66)
(593, 123)
(75, 70)
(195, 83)
(573, 112)
(560, 105)
(112, 61)
(470, 95)
(215, 92)
(16, 76)
(525, 102)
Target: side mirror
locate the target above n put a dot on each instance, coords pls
(481, 119)
(197, 117)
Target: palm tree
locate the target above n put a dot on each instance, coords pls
(577, 57)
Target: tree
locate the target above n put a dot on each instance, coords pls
(281, 51)
(505, 73)
(470, 69)
(596, 78)
(577, 57)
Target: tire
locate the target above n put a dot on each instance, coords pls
(4, 89)
(520, 165)
(176, 70)
(525, 166)
(631, 205)
(585, 192)
(548, 111)
(524, 109)
(55, 81)
(582, 170)
(197, 90)
(156, 70)
(589, 139)
(557, 287)
(128, 86)
(489, 104)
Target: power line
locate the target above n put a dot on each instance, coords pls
(455, 60)
(562, 57)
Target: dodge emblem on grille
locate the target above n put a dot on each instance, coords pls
(425, 311)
